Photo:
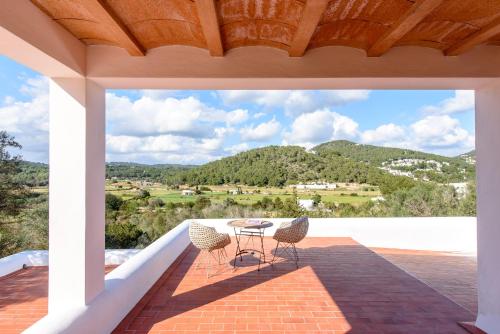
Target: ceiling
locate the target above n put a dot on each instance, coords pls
(295, 26)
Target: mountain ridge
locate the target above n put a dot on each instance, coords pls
(275, 165)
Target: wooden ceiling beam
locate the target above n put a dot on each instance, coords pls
(311, 15)
(210, 26)
(106, 16)
(490, 30)
(418, 11)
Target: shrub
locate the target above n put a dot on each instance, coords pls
(143, 193)
(113, 202)
(155, 203)
(229, 202)
(316, 199)
(122, 235)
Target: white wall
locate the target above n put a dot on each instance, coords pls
(124, 287)
(488, 208)
(35, 258)
(456, 234)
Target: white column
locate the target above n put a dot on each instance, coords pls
(488, 206)
(76, 203)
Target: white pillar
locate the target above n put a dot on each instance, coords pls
(488, 206)
(76, 203)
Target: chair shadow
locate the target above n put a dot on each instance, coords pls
(372, 294)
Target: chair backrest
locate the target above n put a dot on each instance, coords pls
(293, 231)
(201, 236)
(300, 226)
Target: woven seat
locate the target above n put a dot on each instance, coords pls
(208, 240)
(290, 233)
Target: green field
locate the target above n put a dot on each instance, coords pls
(250, 194)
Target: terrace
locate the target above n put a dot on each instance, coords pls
(341, 285)
(86, 47)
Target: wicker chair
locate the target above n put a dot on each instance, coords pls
(289, 234)
(208, 240)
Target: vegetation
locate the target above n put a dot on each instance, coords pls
(144, 202)
(23, 216)
(452, 170)
(277, 166)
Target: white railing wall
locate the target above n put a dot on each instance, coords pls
(453, 234)
(128, 283)
(39, 258)
(124, 287)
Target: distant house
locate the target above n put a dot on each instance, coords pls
(460, 188)
(188, 192)
(315, 186)
(235, 191)
(306, 204)
(378, 199)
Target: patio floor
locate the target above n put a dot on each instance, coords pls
(340, 287)
(23, 298)
(340, 284)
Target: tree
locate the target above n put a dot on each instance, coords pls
(316, 199)
(122, 235)
(291, 208)
(113, 202)
(12, 193)
(143, 193)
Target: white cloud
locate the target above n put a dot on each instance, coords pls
(320, 126)
(163, 148)
(293, 102)
(259, 115)
(384, 134)
(461, 102)
(262, 132)
(158, 93)
(28, 120)
(237, 148)
(267, 98)
(147, 116)
(339, 97)
(236, 116)
(440, 134)
(181, 130)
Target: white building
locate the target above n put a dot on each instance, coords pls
(306, 204)
(188, 192)
(315, 186)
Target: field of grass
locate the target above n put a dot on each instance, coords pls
(251, 195)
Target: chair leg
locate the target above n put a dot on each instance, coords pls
(208, 262)
(275, 251)
(203, 257)
(296, 256)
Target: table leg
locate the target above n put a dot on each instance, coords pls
(238, 250)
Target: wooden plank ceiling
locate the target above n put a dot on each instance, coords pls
(453, 26)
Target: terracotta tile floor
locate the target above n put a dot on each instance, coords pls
(340, 287)
(454, 275)
(23, 298)
(323, 286)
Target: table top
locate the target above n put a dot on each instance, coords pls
(244, 223)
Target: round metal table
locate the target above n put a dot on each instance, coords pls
(245, 227)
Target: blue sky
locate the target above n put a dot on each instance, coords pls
(152, 126)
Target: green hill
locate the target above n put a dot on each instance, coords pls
(281, 165)
(336, 161)
(35, 174)
(375, 155)
(425, 166)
